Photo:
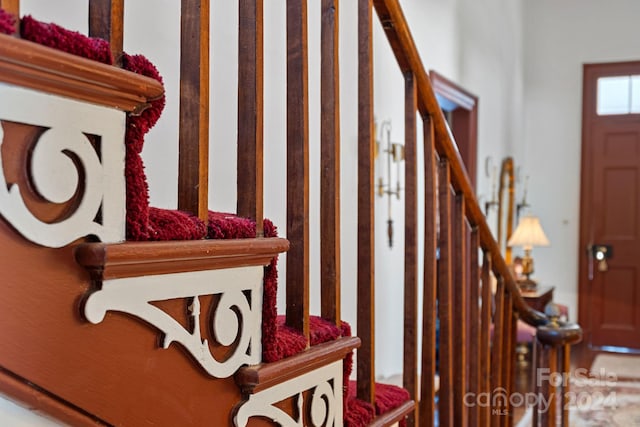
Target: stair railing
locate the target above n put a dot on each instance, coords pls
(471, 364)
(457, 291)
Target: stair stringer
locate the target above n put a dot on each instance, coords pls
(235, 319)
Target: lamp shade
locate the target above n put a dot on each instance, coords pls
(528, 234)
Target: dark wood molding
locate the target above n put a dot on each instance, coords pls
(252, 379)
(464, 119)
(132, 259)
(452, 91)
(33, 66)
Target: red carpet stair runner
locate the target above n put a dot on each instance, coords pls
(145, 223)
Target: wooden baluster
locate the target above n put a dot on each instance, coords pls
(566, 385)
(297, 167)
(538, 359)
(496, 352)
(410, 365)
(11, 6)
(366, 254)
(193, 163)
(427, 388)
(445, 297)
(508, 354)
(512, 365)
(544, 389)
(459, 290)
(485, 340)
(330, 163)
(250, 112)
(474, 359)
(106, 21)
(552, 395)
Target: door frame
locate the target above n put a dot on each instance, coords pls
(465, 120)
(591, 72)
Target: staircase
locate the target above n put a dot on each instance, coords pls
(117, 313)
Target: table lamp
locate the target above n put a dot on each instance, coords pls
(528, 234)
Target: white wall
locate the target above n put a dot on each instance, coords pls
(491, 68)
(559, 37)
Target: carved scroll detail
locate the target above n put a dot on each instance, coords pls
(61, 158)
(236, 319)
(326, 400)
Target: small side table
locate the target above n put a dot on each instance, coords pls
(539, 298)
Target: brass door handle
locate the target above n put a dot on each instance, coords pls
(601, 253)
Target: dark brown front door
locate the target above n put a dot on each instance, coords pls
(609, 290)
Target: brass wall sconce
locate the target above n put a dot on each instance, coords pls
(394, 156)
(523, 204)
(493, 203)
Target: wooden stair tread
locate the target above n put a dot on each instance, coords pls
(252, 379)
(131, 259)
(394, 415)
(31, 65)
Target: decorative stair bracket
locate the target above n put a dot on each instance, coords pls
(326, 406)
(64, 167)
(237, 317)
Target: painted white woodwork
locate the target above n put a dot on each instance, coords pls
(60, 158)
(237, 318)
(326, 406)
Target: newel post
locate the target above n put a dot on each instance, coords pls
(552, 351)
